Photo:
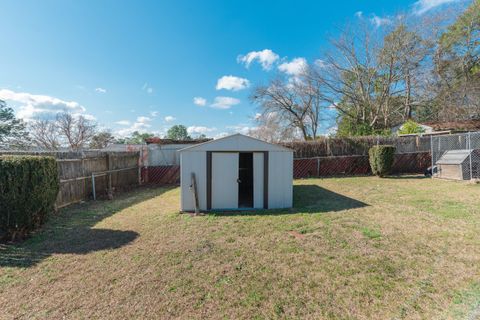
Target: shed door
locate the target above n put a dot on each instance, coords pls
(224, 180)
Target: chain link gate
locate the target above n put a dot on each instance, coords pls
(456, 151)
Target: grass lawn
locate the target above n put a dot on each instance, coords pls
(353, 248)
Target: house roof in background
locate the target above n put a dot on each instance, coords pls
(156, 140)
(460, 125)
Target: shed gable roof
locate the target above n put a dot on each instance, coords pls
(236, 142)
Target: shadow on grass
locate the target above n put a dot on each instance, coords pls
(308, 198)
(407, 177)
(70, 231)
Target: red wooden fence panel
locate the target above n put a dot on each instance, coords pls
(161, 175)
(412, 162)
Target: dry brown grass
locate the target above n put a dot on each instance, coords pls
(354, 248)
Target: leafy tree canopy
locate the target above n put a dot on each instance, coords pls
(12, 130)
(101, 140)
(178, 132)
(411, 127)
(136, 138)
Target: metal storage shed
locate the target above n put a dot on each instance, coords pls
(236, 172)
(457, 165)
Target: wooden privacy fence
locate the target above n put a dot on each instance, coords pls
(90, 174)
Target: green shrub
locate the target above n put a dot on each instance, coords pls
(381, 159)
(411, 127)
(28, 189)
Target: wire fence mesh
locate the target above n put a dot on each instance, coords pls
(456, 156)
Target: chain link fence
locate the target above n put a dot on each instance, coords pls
(456, 156)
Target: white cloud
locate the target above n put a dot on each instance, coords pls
(87, 116)
(331, 131)
(232, 83)
(294, 67)
(147, 87)
(359, 14)
(379, 21)
(265, 57)
(143, 119)
(154, 113)
(199, 101)
(240, 129)
(320, 63)
(422, 6)
(224, 102)
(169, 118)
(141, 125)
(31, 106)
(220, 135)
(100, 90)
(200, 130)
(123, 122)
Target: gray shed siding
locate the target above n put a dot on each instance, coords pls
(280, 171)
(195, 162)
(280, 178)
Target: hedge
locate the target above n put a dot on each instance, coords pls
(381, 159)
(28, 189)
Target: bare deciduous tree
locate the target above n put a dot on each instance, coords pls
(44, 134)
(66, 130)
(271, 128)
(371, 74)
(77, 130)
(296, 103)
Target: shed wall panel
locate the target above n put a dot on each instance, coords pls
(280, 176)
(193, 162)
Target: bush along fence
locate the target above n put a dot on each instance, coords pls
(91, 174)
(28, 188)
(381, 159)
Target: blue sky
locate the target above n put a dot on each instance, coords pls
(139, 65)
